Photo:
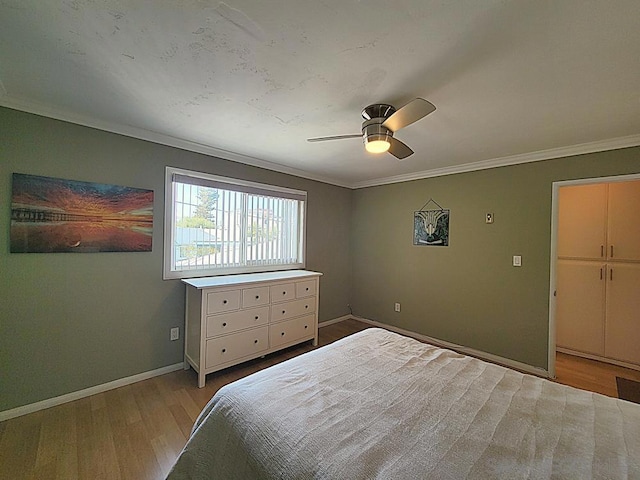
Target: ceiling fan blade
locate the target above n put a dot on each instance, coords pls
(335, 137)
(411, 112)
(399, 149)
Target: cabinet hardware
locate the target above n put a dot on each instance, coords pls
(600, 273)
(256, 317)
(602, 250)
(611, 274)
(283, 312)
(257, 297)
(282, 334)
(224, 350)
(224, 324)
(224, 301)
(611, 251)
(255, 341)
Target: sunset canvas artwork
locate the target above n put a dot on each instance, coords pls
(50, 215)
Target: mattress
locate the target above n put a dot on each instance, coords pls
(380, 405)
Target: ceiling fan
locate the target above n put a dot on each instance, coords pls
(381, 121)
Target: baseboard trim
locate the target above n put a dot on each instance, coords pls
(326, 323)
(506, 362)
(87, 392)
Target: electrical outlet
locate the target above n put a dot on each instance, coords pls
(175, 333)
(396, 307)
(517, 260)
(489, 218)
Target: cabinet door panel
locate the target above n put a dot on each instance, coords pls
(580, 306)
(582, 224)
(622, 332)
(624, 220)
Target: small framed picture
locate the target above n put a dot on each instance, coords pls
(431, 228)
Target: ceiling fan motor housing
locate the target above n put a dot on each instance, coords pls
(373, 131)
(378, 110)
(374, 116)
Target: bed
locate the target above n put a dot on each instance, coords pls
(380, 405)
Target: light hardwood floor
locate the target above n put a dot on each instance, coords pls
(133, 432)
(591, 375)
(136, 432)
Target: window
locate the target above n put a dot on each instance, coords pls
(217, 225)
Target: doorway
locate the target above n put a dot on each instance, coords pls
(555, 218)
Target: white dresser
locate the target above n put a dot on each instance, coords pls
(232, 319)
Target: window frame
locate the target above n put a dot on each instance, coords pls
(169, 215)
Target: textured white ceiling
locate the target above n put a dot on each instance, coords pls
(251, 80)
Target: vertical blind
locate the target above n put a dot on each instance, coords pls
(222, 226)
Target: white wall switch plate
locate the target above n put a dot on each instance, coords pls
(489, 218)
(517, 260)
(396, 307)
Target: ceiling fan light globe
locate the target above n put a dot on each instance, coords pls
(377, 146)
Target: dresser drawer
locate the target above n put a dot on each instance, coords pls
(228, 348)
(283, 292)
(234, 321)
(305, 289)
(254, 297)
(293, 309)
(292, 330)
(218, 302)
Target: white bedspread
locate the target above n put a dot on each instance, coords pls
(380, 405)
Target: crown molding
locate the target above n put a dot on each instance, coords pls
(156, 137)
(580, 149)
(168, 140)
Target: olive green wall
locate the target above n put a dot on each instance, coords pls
(72, 321)
(469, 293)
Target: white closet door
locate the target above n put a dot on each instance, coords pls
(622, 341)
(582, 221)
(624, 221)
(580, 306)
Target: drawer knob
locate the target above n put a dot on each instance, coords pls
(255, 341)
(224, 350)
(306, 306)
(283, 312)
(307, 289)
(224, 301)
(306, 326)
(284, 293)
(256, 317)
(282, 334)
(257, 297)
(224, 324)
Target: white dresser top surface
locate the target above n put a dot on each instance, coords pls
(231, 280)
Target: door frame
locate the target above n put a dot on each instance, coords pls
(555, 188)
